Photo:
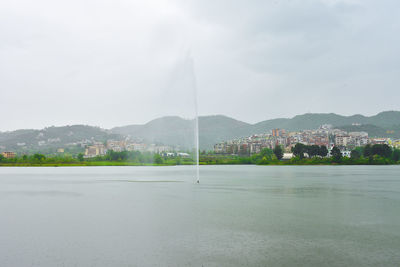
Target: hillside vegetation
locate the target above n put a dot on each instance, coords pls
(176, 131)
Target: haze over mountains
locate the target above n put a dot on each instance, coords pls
(176, 131)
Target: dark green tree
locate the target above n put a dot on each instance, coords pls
(368, 151)
(382, 150)
(299, 150)
(355, 154)
(312, 150)
(278, 151)
(336, 154)
(80, 157)
(323, 151)
(396, 155)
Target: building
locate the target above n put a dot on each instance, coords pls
(220, 148)
(325, 135)
(60, 150)
(346, 153)
(183, 155)
(342, 140)
(287, 156)
(326, 126)
(117, 146)
(278, 132)
(359, 138)
(9, 155)
(380, 141)
(94, 151)
(136, 147)
(162, 149)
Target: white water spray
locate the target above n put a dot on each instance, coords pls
(183, 80)
(196, 118)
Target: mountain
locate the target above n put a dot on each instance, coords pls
(170, 130)
(373, 130)
(214, 129)
(176, 131)
(312, 121)
(51, 138)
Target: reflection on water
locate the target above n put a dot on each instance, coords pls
(237, 216)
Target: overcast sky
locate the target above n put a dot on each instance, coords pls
(111, 63)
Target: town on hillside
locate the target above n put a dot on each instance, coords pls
(325, 135)
(92, 148)
(100, 149)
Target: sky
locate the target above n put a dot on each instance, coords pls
(120, 62)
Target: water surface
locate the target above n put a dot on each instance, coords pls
(236, 216)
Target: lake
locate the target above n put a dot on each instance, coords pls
(236, 216)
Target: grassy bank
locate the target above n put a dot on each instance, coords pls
(222, 161)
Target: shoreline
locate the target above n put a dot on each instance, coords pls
(127, 164)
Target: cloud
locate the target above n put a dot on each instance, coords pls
(110, 63)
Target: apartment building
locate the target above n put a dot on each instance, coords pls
(9, 155)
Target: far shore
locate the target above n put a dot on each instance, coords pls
(121, 164)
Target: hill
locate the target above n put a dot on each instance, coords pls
(176, 131)
(179, 132)
(314, 120)
(214, 129)
(47, 140)
(374, 131)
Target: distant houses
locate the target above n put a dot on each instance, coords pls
(323, 136)
(9, 155)
(95, 150)
(99, 149)
(255, 143)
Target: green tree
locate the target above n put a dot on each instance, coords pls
(396, 155)
(1, 157)
(266, 152)
(299, 150)
(80, 157)
(278, 151)
(355, 154)
(336, 154)
(178, 161)
(368, 151)
(312, 151)
(382, 150)
(158, 159)
(39, 157)
(323, 151)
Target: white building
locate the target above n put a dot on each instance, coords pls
(342, 140)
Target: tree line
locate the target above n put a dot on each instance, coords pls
(311, 155)
(133, 157)
(303, 154)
